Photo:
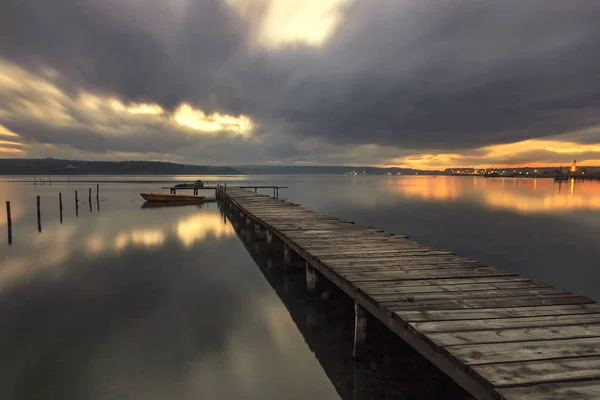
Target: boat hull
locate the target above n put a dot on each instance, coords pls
(172, 198)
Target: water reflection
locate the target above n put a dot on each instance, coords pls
(392, 370)
(146, 305)
(521, 195)
(110, 233)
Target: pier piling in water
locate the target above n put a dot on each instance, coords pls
(60, 207)
(360, 330)
(39, 214)
(9, 222)
(76, 205)
(97, 192)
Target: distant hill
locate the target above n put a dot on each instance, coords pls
(332, 170)
(50, 166)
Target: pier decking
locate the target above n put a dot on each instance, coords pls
(496, 334)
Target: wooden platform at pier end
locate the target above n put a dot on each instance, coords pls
(496, 334)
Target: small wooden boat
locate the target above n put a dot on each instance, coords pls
(172, 198)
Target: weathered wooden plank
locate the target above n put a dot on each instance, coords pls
(449, 282)
(379, 255)
(530, 372)
(578, 390)
(444, 288)
(479, 354)
(426, 274)
(471, 294)
(396, 267)
(515, 335)
(492, 313)
(503, 302)
(506, 323)
(395, 258)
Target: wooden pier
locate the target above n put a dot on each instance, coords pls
(496, 334)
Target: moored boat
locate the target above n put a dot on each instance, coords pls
(174, 198)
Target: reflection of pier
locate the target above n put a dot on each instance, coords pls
(498, 335)
(392, 370)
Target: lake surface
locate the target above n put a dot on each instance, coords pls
(124, 302)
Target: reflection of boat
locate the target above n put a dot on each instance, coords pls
(172, 198)
(162, 204)
(197, 184)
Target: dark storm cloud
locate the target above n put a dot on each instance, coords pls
(418, 74)
(152, 50)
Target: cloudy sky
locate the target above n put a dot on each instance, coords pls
(418, 83)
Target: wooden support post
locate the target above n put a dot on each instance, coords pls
(39, 214)
(76, 205)
(277, 196)
(273, 191)
(255, 190)
(9, 222)
(60, 207)
(311, 280)
(269, 238)
(360, 330)
(90, 196)
(257, 227)
(248, 220)
(97, 192)
(287, 257)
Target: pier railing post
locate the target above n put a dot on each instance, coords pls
(360, 330)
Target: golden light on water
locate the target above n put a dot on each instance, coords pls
(140, 237)
(521, 195)
(198, 227)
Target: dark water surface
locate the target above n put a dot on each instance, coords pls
(125, 302)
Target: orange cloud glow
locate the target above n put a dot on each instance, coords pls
(189, 117)
(534, 151)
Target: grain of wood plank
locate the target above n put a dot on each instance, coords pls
(530, 372)
(472, 294)
(425, 274)
(376, 285)
(502, 302)
(493, 313)
(506, 323)
(480, 354)
(515, 335)
(579, 390)
(448, 288)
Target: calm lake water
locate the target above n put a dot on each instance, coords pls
(124, 302)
